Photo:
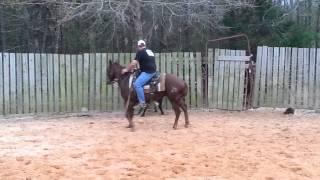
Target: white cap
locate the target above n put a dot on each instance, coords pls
(141, 43)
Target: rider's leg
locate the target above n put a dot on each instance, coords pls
(139, 83)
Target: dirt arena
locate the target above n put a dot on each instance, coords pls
(218, 145)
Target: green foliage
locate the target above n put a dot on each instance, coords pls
(267, 24)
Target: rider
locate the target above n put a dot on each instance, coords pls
(146, 60)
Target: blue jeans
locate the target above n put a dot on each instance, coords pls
(139, 83)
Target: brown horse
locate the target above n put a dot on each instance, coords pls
(175, 90)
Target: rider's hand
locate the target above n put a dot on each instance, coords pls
(124, 70)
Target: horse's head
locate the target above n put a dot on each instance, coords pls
(114, 72)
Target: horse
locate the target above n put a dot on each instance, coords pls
(175, 90)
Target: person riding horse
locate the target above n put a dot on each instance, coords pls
(146, 60)
(173, 87)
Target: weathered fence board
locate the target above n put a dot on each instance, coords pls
(226, 79)
(280, 98)
(317, 89)
(104, 87)
(180, 65)
(62, 83)
(162, 68)
(74, 80)
(287, 78)
(263, 88)
(257, 82)
(13, 93)
(299, 96)
(231, 89)
(109, 89)
(236, 101)
(92, 67)
(68, 84)
(312, 68)
(269, 76)
(168, 70)
(192, 73)
(199, 87)
(6, 83)
(19, 85)
(211, 73)
(44, 82)
(51, 77)
(86, 71)
(116, 94)
(275, 76)
(186, 72)
(1, 85)
(306, 71)
(242, 94)
(81, 98)
(220, 86)
(56, 82)
(98, 84)
(294, 65)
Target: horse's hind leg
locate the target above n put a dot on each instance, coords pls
(184, 107)
(143, 111)
(155, 105)
(160, 106)
(177, 111)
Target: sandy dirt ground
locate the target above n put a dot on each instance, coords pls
(218, 145)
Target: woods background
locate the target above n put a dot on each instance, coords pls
(76, 26)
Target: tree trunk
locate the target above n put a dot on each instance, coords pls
(2, 25)
(58, 38)
(136, 9)
(317, 26)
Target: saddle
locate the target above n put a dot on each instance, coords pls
(156, 83)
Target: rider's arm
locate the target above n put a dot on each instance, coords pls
(132, 65)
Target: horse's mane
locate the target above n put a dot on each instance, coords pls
(121, 67)
(116, 63)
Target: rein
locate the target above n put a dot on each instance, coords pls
(130, 91)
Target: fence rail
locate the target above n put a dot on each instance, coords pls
(41, 83)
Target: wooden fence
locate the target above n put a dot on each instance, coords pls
(226, 79)
(287, 77)
(41, 83)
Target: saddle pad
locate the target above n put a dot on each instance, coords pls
(160, 85)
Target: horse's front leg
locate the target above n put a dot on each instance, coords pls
(129, 115)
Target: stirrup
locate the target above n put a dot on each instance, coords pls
(156, 103)
(141, 106)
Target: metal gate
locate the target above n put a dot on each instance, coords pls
(227, 79)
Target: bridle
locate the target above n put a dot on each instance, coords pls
(116, 80)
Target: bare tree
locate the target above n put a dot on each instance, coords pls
(121, 22)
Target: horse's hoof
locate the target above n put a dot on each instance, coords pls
(186, 125)
(129, 126)
(175, 127)
(133, 129)
(142, 115)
